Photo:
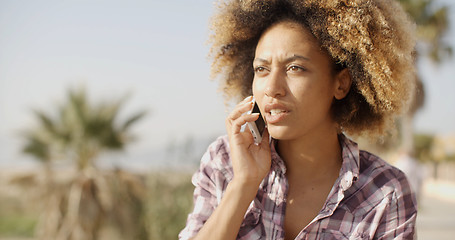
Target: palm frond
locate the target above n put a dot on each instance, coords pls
(132, 120)
(46, 122)
(37, 147)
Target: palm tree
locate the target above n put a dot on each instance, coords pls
(79, 131)
(432, 24)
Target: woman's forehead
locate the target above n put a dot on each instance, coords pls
(288, 39)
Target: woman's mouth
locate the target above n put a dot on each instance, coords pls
(275, 113)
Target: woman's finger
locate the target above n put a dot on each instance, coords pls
(241, 108)
(238, 111)
(239, 122)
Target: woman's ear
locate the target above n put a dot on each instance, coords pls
(343, 83)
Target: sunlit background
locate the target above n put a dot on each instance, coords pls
(155, 51)
(154, 54)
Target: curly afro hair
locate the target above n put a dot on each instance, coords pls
(374, 39)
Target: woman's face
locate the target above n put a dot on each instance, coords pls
(293, 83)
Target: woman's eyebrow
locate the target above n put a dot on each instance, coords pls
(260, 60)
(290, 59)
(297, 57)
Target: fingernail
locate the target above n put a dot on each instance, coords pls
(247, 98)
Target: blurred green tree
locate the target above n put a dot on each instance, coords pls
(432, 23)
(79, 131)
(423, 146)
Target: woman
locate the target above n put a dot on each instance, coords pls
(317, 69)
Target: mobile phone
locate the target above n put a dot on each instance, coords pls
(257, 127)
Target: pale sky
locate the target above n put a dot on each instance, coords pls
(154, 50)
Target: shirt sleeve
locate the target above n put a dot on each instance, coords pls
(209, 182)
(399, 220)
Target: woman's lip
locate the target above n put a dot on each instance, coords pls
(276, 118)
(270, 106)
(280, 112)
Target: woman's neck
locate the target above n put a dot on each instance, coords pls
(311, 157)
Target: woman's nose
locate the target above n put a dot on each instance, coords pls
(275, 85)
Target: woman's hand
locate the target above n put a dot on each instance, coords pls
(250, 162)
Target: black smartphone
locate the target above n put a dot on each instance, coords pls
(257, 127)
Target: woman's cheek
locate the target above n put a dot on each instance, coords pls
(258, 88)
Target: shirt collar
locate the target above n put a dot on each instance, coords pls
(349, 172)
(277, 162)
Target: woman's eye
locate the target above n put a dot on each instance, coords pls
(259, 69)
(296, 68)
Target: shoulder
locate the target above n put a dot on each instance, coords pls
(373, 165)
(381, 195)
(379, 174)
(379, 188)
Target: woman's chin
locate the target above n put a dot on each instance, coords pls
(280, 132)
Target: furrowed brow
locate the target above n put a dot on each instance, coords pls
(260, 60)
(297, 57)
(290, 59)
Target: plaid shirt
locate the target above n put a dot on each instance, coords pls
(369, 200)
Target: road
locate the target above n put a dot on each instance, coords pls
(436, 216)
